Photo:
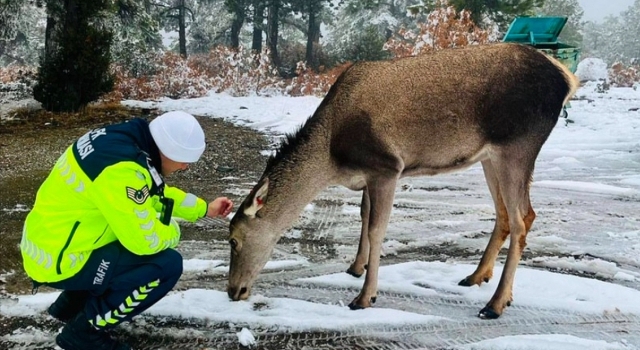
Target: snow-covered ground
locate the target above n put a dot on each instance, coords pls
(579, 289)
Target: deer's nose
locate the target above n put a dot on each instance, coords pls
(237, 293)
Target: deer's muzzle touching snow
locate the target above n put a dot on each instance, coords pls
(425, 115)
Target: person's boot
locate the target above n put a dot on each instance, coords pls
(68, 304)
(79, 334)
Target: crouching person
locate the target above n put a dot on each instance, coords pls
(102, 227)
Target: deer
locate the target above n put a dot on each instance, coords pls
(416, 116)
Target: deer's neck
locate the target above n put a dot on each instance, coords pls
(296, 179)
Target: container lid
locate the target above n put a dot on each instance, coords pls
(535, 30)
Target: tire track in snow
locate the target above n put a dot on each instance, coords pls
(440, 335)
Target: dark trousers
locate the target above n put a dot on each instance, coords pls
(122, 284)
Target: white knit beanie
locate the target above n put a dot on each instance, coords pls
(179, 136)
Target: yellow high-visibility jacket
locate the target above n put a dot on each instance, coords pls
(102, 189)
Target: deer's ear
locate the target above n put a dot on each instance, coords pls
(257, 198)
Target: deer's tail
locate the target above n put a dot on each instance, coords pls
(572, 80)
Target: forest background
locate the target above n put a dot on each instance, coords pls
(68, 54)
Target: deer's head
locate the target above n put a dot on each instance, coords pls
(252, 239)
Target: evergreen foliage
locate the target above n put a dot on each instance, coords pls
(21, 32)
(616, 38)
(571, 34)
(75, 69)
(301, 37)
(486, 12)
(136, 37)
(368, 45)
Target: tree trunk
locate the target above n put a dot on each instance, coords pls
(313, 34)
(74, 69)
(50, 41)
(182, 29)
(60, 16)
(273, 20)
(236, 24)
(258, 22)
(393, 9)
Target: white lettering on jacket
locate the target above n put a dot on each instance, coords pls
(84, 145)
(102, 271)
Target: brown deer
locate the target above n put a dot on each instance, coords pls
(425, 115)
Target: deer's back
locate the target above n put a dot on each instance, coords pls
(439, 110)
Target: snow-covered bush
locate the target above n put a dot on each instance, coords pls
(592, 69)
(444, 28)
(242, 72)
(595, 69)
(170, 76)
(622, 76)
(307, 82)
(237, 72)
(366, 44)
(16, 82)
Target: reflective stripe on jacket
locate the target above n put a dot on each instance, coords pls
(99, 191)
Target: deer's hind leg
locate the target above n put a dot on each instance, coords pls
(358, 267)
(513, 166)
(484, 271)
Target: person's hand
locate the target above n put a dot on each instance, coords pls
(220, 206)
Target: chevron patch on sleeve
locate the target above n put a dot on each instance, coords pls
(138, 196)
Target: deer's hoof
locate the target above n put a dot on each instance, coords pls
(354, 306)
(359, 303)
(467, 282)
(471, 281)
(488, 313)
(355, 271)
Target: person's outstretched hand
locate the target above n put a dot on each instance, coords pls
(220, 206)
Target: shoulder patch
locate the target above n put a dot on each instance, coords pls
(138, 196)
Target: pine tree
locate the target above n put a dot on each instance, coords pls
(314, 13)
(175, 15)
(362, 27)
(486, 12)
(572, 32)
(630, 22)
(210, 27)
(75, 68)
(604, 40)
(21, 32)
(136, 36)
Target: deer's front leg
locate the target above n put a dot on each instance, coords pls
(362, 258)
(381, 193)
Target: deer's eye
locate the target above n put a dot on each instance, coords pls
(233, 243)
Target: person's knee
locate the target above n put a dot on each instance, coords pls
(172, 263)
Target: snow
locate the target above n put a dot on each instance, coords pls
(534, 288)
(547, 342)
(588, 187)
(218, 265)
(257, 311)
(246, 338)
(278, 114)
(594, 159)
(592, 69)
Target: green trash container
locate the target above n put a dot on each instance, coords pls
(542, 33)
